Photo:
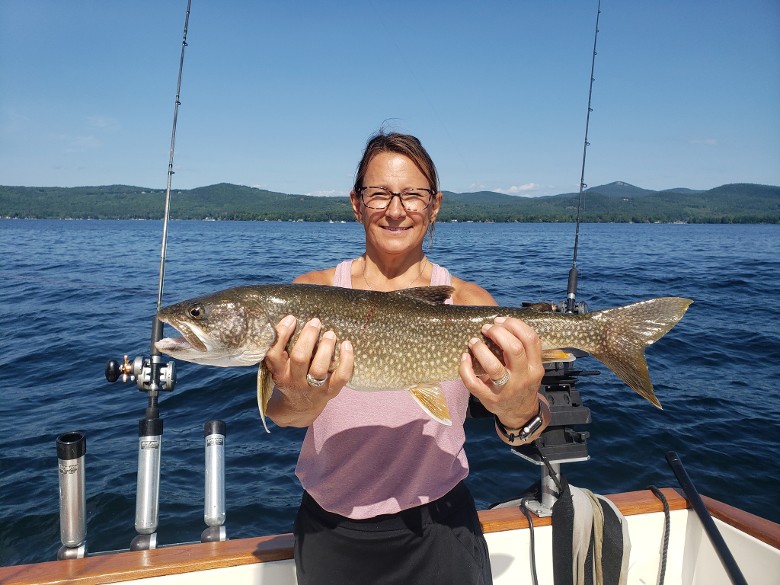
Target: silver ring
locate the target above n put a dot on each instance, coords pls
(502, 380)
(314, 382)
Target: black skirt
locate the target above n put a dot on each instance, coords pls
(436, 543)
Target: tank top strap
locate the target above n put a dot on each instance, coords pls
(440, 276)
(343, 276)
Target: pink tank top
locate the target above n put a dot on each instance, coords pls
(372, 453)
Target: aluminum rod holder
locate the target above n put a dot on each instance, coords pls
(148, 486)
(214, 432)
(71, 451)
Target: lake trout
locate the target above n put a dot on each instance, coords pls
(407, 339)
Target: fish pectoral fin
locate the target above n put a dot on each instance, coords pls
(431, 399)
(265, 387)
(252, 356)
(432, 295)
(557, 355)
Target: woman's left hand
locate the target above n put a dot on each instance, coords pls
(515, 401)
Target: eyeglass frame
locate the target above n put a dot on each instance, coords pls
(398, 194)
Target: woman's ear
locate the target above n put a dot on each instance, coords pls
(436, 205)
(354, 200)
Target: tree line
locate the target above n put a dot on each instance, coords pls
(616, 202)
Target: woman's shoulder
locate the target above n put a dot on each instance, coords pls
(325, 277)
(470, 293)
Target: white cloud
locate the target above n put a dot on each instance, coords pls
(328, 193)
(518, 189)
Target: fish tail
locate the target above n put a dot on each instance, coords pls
(625, 332)
(265, 387)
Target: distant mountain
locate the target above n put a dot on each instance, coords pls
(614, 202)
(681, 191)
(619, 189)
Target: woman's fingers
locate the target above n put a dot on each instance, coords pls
(301, 354)
(521, 340)
(343, 372)
(511, 381)
(323, 356)
(276, 357)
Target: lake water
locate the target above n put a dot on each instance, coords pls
(75, 294)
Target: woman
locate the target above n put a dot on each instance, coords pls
(384, 500)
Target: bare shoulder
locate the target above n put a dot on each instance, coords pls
(469, 293)
(324, 277)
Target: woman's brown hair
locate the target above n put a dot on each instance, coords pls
(398, 143)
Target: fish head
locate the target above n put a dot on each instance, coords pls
(224, 329)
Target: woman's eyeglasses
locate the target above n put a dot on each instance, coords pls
(415, 199)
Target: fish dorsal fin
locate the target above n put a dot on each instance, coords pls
(433, 295)
(432, 400)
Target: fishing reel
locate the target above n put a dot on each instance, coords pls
(149, 374)
(141, 371)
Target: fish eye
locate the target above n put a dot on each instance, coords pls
(197, 312)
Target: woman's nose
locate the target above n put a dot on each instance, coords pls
(395, 208)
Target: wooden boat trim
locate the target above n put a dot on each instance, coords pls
(125, 566)
(757, 527)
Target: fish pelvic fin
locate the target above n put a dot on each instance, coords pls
(265, 387)
(627, 331)
(556, 355)
(431, 399)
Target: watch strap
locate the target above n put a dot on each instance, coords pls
(523, 432)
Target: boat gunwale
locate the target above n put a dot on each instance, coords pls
(184, 558)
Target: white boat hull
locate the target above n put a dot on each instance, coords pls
(691, 559)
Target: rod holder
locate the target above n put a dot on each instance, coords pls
(214, 433)
(147, 501)
(71, 451)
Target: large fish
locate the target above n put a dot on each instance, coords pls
(406, 339)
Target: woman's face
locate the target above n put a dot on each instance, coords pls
(394, 230)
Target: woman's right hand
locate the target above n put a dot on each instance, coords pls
(295, 402)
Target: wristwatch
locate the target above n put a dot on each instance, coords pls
(525, 431)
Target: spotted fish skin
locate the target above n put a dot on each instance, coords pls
(407, 339)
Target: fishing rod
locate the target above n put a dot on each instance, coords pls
(167, 212)
(150, 374)
(560, 442)
(571, 292)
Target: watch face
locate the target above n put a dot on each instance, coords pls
(532, 426)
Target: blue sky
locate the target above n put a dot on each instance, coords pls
(283, 95)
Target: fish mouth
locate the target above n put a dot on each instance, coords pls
(171, 345)
(190, 340)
